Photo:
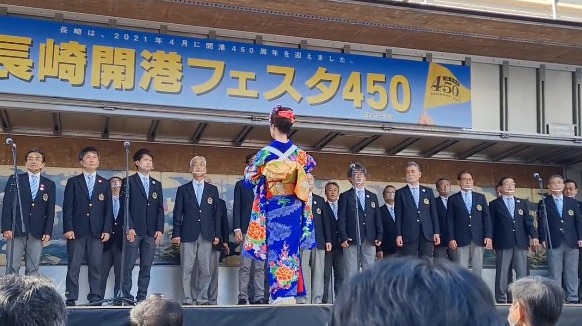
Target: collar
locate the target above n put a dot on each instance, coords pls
(85, 174)
(444, 198)
(332, 202)
(507, 197)
(195, 183)
(389, 206)
(142, 176)
(413, 187)
(30, 174)
(467, 191)
(560, 197)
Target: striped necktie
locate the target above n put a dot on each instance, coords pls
(33, 186)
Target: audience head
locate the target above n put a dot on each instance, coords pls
(570, 188)
(357, 174)
(506, 186)
(556, 184)
(31, 301)
(443, 186)
(537, 301)
(413, 173)
(157, 311)
(415, 292)
(332, 191)
(388, 194)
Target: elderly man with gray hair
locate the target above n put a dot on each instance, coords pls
(537, 301)
(196, 228)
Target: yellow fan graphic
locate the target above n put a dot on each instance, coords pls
(442, 88)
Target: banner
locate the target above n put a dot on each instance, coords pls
(48, 58)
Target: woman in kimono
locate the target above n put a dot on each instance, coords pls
(281, 221)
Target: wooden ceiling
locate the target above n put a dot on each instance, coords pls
(363, 22)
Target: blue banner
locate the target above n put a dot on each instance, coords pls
(47, 58)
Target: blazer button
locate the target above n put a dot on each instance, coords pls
(115, 223)
(418, 212)
(418, 221)
(112, 232)
(200, 211)
(148, 204)
(562, 230)
(32, 204)
(513, 230)
(470, 216)
(90, 205)
(562, 221)
(364, 223)
(198, 220)
(469, 225)
(87, 214)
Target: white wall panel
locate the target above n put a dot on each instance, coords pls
(558, 96)
(485, 95)
(522, 100)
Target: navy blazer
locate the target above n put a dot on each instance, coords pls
(82, 214)
(333, 227)
(510, 232)
(191, 219)
(370, 220)
(409, 218)
(146, 213)
(443, 223)
(224, 228)
(117, 234)
(321, 221)
(465, 226)
(241, 208)
(38, 214)
(388, 246)
(566, 226)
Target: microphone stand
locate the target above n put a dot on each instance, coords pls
(358, 235)
(545, 216)
(15, 197)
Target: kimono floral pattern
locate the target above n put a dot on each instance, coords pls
(280, 226)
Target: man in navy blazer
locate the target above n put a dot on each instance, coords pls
(248, 267)
(197, 226)
(370, 222)
(87, 219)
(565, 237)
(442, 250)
(469, 224)
(513, 227)
(145, 223)
(334, 259)
(417, 224)
(38, 212)
(112, 249)
(388, 247)
(313, 261)
(570, 190)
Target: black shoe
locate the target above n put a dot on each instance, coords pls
(70, 303)
(242, 302)
(205, 304)
(260, 301)
(571, 302)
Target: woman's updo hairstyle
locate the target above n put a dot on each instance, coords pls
(282, 118)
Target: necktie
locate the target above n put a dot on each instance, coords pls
(334, 209)
(199, 193)
(115, 207)
(511, 206)
(415, 196)
(560, 205)
(33, 186)
(146, 185)
(391, 208)
(90, 184)
(467, 199)
(445, 202)
(361, 198)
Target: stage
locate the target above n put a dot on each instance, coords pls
(259, 315)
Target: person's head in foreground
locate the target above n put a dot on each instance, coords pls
(30, 301)
(410, 291)
(157, 311)
(537, 301)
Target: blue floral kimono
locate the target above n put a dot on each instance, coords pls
(281, 221)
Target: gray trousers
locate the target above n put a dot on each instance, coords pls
(30, 248)
(147, 248)
(446, 253)
(563, 262)
(503, 261)
(312, 267)
(473, 253)
(213, 287)
(368, 252)
(191, 253)
(334, 262)
(111, 257)
(77, 250)
(251, 267)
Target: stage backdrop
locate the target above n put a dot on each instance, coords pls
(56, 59)
(55, 253)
